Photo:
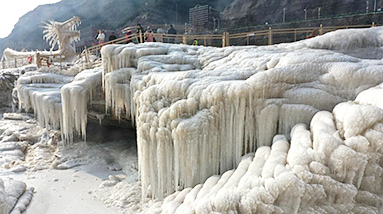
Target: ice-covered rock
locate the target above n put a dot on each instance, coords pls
(75, 98)
(196, 105)
(198, 110)
(318, 171)
(14, 196)
(3, 199)
(8, 79)
(41, 92)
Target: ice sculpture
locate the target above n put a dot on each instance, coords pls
(61, 34)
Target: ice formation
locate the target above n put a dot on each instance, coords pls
(41, 92)
(335, 167)
(14, 196)
(18, 196)
(3, 199)
(61, 34)
(52, 95)
(198, 110)
(75, 98)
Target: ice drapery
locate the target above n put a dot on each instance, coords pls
(41, 92)
(59, 102)
(333, 167)
(199, 109)
(75, 99)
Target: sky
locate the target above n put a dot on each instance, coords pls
(12, 10)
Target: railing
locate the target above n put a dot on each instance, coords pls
(14, 63)
(261, 37)
(227, 39)
(38, 60)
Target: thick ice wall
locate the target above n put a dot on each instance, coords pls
(118, 93)
(75, 99)
(41, 92)
(318, 171)
(60, 102)
(213, 105)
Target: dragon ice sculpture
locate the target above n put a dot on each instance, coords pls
(61, 34)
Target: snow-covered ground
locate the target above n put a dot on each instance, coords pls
(81, 178)
(292, 128)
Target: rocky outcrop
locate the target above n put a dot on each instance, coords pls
(8, 79)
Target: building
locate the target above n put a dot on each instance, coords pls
(203, 17)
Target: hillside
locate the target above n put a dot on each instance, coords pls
(271, 11)
(107, 14)
(116, 14)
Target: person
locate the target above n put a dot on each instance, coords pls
(128, 34)
(112, 37)
(313, 34)
(149, 35)
(160, 30)
(29, 60)
(139, 32)
(171, 30)
(100, 37)
(195, 42)
(50, 61)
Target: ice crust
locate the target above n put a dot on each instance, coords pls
(198, 110)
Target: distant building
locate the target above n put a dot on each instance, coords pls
(203, 17)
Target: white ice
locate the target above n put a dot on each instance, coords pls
(198, 110)
(75, 98)
(333, 167)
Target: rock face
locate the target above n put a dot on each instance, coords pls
(271, 11)
(7, 80)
